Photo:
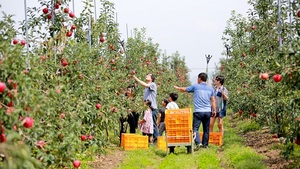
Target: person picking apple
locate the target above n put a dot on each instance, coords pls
(150, 93)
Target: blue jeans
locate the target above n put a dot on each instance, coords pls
(204, 118)
(155, 129)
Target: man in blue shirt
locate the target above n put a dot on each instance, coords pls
(204, 107)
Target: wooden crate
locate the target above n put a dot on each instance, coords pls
(214, 138)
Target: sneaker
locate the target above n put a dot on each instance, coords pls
(204, 147)
(197, 147)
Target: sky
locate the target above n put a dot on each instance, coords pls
(194, 28)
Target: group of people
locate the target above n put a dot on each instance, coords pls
(209, 105)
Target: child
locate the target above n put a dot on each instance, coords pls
(146, 123)
(161, 117)
(172, 101)
(172, 105)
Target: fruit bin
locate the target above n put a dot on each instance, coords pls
(133, 141)
(161, 143)
(179, 128)
(214, 138)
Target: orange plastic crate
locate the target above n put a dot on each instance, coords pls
(179, 135)
(214, 138)
(161, 143)
(178, 118)
(123, 137)
(134, 141)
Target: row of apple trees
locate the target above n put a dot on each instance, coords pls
(263, 66)
(65, 96)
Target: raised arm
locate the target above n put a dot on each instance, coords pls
(141, 82)
(180, 89)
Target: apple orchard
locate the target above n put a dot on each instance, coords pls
(62, 95)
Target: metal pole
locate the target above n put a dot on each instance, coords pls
(116, 17)
(290, 18)
(127, 30)
(73, 4)
(279, 24)
(89, 32)
(52, 31)
(27, 42)
(95, 8)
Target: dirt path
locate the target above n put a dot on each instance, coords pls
(108, 161)
(262, 142)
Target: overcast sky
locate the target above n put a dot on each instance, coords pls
(192, 27)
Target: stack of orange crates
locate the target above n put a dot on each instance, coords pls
(133, 141)
(178, 125)
(214, 138)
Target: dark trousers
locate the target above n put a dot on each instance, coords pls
(155, 128)
(132, 120)
(204, 118)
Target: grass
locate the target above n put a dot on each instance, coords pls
(233, 154)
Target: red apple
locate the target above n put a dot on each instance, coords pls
(83, 137)
(244, 55)
(66, 10)
(40, 144)
(102, 39)
(28, 122)
(98, 106)
(253, 27)
(298, 13)
(64, 63)
(277, 77)
(2, 87)
(62, 115)
(90, 137)
(25, 71)
(73, 27)
(49, 16)
(15, 41)
(2, 138)
(69, 33)
(56, 6)
(80, 76)
(23, 42)
(10, 104)
(76, 163)
(112, 61)
(45, 10)
(133, 72)
(43, 58)
(71, 14)
(264, 76)
(111, 47)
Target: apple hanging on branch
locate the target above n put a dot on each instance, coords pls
(2, 87)
(277, 77)
(264, 76)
